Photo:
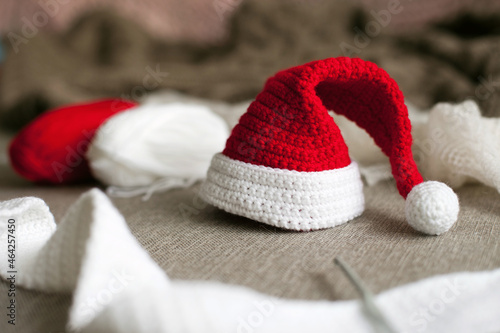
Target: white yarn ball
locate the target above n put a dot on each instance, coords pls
(432, 207)
(152, 142)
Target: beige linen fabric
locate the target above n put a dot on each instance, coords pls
(191, 240)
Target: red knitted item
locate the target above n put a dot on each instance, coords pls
(287, 165)
(51, 149)
(288, 125)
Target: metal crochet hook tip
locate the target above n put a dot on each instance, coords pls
(377, 319)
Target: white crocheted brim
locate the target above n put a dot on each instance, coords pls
(284, 198)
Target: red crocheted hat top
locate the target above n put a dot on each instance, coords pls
(288, 125)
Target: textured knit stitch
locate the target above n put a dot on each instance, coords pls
(288, 131)
(423, 205)
(288, 125)
(33, 226)
(452, 143)
(285, 198)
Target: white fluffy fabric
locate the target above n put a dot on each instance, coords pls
(117, 287)
(458, 146)
(153, 142)
(33, 226)
(452, 143)
(231, 113)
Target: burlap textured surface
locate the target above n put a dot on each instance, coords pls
(191, 240)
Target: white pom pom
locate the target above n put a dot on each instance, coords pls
(432, 207)
(151, 142)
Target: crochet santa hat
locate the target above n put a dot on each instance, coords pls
(51, 149)
(287, 165)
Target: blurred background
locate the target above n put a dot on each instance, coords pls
(56, 52)
(59, 52)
